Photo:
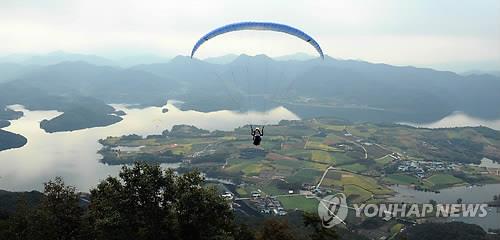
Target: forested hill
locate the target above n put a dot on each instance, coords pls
(403, 92)
(350, 89)
(9, 200)
(9, 140)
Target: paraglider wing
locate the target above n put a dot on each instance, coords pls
(264, 26)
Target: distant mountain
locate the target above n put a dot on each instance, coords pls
(222, 59)
(225, 59)
(15, 58)
(417, 93)
(13, 71)
(55, 58)
(182, 69)
(58, 57)
(110, 84)
(477, 72)
(130, 61)
(353, 89)
(296, 57)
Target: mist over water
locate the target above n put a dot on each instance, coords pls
(458, 119)
(73, 155)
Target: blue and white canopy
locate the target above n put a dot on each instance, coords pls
(263, 26)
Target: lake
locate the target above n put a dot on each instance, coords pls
(73, 155)
(475, 194)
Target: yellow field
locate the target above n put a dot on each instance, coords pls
(229, 138)
(441, 180)
(384, 160)
(182, 148)
(333, 127)
(176, 149)
(321, 156)
(357, 194)
(358, 188)
(355, 167)
(248, 168)
(364, 182)
(299, 202)
(310, 145)
(318, 166)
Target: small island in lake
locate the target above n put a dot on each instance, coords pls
(80, 118)
(10, 140)
(4, 123)
(9, 114)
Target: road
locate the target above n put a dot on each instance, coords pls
(324, 174)
(273, 196)
(363, 147)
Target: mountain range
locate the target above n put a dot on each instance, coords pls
(351, 89)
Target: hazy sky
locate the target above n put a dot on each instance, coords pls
(448, 34)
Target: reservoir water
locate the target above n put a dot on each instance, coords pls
(73, 155)
(458, 119)
(468, 194)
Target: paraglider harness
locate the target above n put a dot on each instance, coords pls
(257, 135)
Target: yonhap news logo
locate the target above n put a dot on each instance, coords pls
(333, 210)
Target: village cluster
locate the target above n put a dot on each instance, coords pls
(422, 169)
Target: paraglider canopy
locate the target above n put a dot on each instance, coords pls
(264, 26)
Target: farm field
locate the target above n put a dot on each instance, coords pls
(401, 179)
(300, 203)
(294, 155)
(442, 180)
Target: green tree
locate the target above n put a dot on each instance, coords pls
(146, 202)
(276, 230)
(17, 225)
(59, 216)
(202, 213)
(319, 232)
(242, 232)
